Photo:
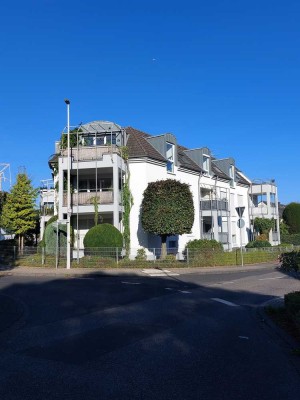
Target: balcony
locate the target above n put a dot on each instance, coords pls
(223, 237)
(88, 153)
(88, 198)
(221, 205)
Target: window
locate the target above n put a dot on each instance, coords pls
(231, 174)
(170, 157)
(206, 164)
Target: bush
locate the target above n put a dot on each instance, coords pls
(50, 238)
(290, 261)
(291, 216)
(292, 303)
(103, 235)
(291, 239)
(204, 244)
(257, 244)
(141, 255)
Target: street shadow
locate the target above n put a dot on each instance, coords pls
(127, 326)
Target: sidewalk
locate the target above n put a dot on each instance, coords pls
(42, 271)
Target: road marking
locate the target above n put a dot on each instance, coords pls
(226, 283)
(184, 291)
(265, 279)
(131, 283)
(228, 303)
(244, 337)
(168, 288)
(159, 272)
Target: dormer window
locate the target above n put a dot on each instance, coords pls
(205, 164)
(170, 157)
(231, 174)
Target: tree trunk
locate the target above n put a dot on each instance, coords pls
(163, 247)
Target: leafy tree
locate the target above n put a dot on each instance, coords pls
(284, 228)
(291, 216)
(167, 209)
(3, 196)
(19, 214)
(263, 225)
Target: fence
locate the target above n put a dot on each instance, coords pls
(111, 257)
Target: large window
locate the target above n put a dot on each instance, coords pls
(170, 157)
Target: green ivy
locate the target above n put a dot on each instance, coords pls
(127, 204)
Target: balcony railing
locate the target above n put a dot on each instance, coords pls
(214, 205)
(223, 237)
(88, 198)
(275, 236)
(88, 153)
(208, 236)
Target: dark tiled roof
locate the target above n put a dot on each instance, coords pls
(185, 161)
(217, 171)
(241, 179)
(138, 145)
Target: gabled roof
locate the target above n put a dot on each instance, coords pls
(139, 146)
(185, 161)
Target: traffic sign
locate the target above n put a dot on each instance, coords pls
(240, 211)
(241, 223)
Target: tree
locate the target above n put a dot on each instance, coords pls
(19, 214)
(3, 196)
(263, 225)
(291, 216)
(167, 209)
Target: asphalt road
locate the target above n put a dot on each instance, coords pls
(194, 336)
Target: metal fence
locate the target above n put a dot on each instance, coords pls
(106, 257)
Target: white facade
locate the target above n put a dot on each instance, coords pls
(98, 171)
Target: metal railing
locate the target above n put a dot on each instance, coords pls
(206, 205)
(89, 153)
(106, 196)
(112, 257)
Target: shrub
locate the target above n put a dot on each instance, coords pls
(103, 235)
(292, 303)
(141, 255)
(204, 244)
(262, 237)
(291, 216)
(290, 261)
(291, 239)
(50, 238)
(257, 244)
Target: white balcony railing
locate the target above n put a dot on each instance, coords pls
(88, 198)
(88, 153)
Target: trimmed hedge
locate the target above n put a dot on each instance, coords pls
(103, 235)
(290, 261)
(291, 239)
(50, 238)
(204, 244)
(258, 243)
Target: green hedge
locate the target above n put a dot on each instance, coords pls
(50, 238)
(257, 244)
(103, 235)
(290, 261)
(291, 239)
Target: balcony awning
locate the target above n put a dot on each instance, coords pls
(206, 186)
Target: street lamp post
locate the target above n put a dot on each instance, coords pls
(68, 188)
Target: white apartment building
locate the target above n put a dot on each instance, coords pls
(98, 171)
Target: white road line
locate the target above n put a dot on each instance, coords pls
(168, 288)
(226, 283)
(131, 283)
(184, 291)
(228, 303)
(265, 279)
(244, 337)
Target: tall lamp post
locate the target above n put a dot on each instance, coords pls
(68, 188)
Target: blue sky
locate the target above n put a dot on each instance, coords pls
(221, 74)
